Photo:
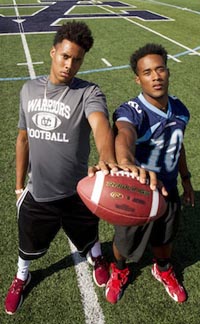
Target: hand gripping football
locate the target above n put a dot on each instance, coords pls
(121, 199)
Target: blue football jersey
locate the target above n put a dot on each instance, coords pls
(160, 135)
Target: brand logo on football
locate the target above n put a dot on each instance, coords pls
(116, 195)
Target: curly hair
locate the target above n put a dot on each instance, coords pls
(147, 49)
(77, 32)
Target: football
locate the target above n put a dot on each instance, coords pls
(120, 199)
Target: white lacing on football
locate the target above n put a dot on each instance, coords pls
(123, 174)
(126, 174)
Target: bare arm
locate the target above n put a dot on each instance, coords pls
(125, 145)
(188, 193)
(104, 140)
(22, 156)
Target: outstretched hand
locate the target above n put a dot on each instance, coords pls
(105, 167)
(144, 176)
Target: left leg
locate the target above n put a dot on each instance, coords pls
(162, 235)
(81, 226)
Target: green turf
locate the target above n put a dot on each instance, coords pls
(54, 295)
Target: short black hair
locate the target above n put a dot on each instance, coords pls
(147, 49)
(76, 32)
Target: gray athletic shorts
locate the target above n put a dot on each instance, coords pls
(39, 223)
(131, 241)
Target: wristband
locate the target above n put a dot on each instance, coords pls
(19, 191)
(187, 176)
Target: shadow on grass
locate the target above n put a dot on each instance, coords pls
(39, 275)
(187, 241)
(186, 250)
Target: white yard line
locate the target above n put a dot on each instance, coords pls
(92, 309)
(24, 43)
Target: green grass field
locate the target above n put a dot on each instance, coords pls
(55, 296)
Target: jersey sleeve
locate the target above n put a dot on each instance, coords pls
(130, 112)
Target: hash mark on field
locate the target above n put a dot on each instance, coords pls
(32, 63)
(106, 62)
(174, 58)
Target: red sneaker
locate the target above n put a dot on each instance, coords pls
(14, 297)
(116, 284)
(100, 269)
(170, 282)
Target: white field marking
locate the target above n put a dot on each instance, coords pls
(92, 309)
(24, 42)
(106, 62)
(32, 63)
(174, 58)
(173, 6)
(191, 53)
(151, 31)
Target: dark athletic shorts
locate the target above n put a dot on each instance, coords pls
(131, 241)
(39, 223)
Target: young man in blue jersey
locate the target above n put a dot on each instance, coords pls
(149, 143)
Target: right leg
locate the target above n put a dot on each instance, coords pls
(23, 269)
(37, 225)
(14, 296)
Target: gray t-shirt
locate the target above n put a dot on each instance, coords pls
(55, 117)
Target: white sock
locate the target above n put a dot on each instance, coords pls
(96, 249)
(23, 266)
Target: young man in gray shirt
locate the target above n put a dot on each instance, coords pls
(57, 114)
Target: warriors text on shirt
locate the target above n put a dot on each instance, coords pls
(49, 105)
(46, 119)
